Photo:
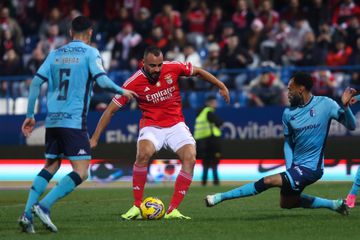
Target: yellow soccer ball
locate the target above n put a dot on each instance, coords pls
(152, 208)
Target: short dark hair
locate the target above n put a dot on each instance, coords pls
(303, 79)
(80, 24)
(153, 50)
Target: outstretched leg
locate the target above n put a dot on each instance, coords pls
(246, 190)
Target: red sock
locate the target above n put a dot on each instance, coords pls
(139, 180)
(182, 185)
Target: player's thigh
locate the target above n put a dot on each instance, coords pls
(145, 149)
(296, 178)
(179, 136)
(53, 144)
(152, 134)
(75, 144)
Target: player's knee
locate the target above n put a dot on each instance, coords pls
(83, 175)
(190, 158)
(268, 181)
(142, 158)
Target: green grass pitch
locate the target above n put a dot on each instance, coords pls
(94, 214)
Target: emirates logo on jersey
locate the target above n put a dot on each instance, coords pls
(160, 95)
(168, 78)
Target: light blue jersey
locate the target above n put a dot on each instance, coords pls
(70, 72)
(307, 128)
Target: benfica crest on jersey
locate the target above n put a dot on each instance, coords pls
(168, 79)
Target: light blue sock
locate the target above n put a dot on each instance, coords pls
(355, 187)
(65, 186)
(37, 189)
(243, 191)
(308, 201)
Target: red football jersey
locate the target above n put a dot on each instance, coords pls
(160, 103)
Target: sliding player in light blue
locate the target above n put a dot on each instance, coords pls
(306, 124)
(70, 73)
(351, 197)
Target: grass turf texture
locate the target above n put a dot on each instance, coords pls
(95, 214)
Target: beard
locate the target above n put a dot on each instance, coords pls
(296, 100)
(152, 77)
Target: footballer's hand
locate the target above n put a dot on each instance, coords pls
(224, 92)
(347, 96)
(353, 100)
(130, 94)
(93, 143)
(28, 126)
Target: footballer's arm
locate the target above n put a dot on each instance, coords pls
(103, 122)
(224, 92)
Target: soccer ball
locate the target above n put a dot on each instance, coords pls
(152, 208)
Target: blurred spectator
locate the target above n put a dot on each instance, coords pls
(54, 18)
(157, 38)
(195, 22)
(122, 18)
(214, 23)
(355, 60)
(324, 83)
(266, 89)
(168, 20)
(128, 44)
(212, 63)
(324, 39)
(269, 17)
(272, 48)
(292, 11)
(310, 55)
(344, 12)
(255, 37)
(295, 41)
(196, 16)
(340, 55)
(52, 40)
(11, 64)
(233, 56)
(227, 31)
(143, 22)
(35, 62)
(9, 24)
(176, 46)
(8, 42)
(318, 13)
(242, 17)
(352, 32)
(193, 57)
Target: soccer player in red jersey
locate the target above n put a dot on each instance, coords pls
(162, 123)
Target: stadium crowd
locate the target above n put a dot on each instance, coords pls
(244, 43)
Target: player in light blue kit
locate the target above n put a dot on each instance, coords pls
(306, 124)
(70, 73)
(351, 197)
